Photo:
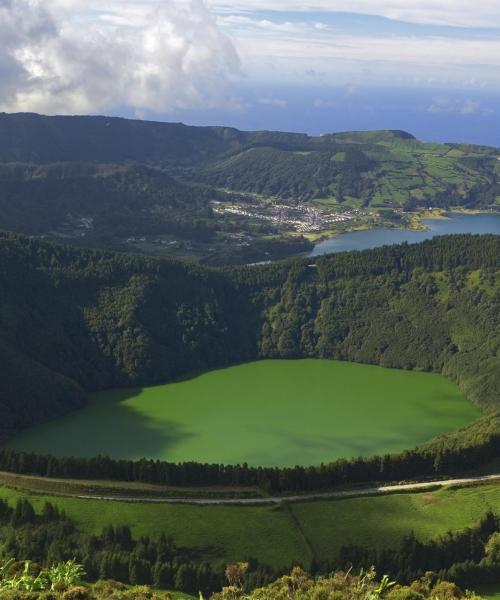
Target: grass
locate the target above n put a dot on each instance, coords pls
(383, 521)
(221, 533)
(264, 413)
(292, 533)
(119, 489)
(488, 591)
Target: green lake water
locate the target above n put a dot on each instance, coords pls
(271, 412)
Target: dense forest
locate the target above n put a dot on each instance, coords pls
(98, 203)
(80, 320)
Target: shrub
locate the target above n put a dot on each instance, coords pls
(77, 593)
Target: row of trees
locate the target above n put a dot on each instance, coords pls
(448, 454)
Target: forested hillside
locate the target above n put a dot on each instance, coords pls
(372, 169)
(80, 320)
(98, 203)
(221, 196)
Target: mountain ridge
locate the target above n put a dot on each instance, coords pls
(225, 138)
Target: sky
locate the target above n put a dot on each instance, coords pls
(431, 67)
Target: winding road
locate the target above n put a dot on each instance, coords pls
(354, 493)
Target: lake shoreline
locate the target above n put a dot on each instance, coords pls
(428, 225)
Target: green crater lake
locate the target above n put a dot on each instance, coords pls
(272, 412)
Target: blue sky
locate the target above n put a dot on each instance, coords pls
(431, 67)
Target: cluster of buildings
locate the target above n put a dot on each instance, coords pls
(299, 217)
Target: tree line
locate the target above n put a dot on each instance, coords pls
(446, 455)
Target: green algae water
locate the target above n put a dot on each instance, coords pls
(272, 412)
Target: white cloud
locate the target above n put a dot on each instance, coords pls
(286, 51)
(276, 102)
(74, 56)
(469, 107)
(357, 60)
(461, 13)
(263, 24)
(444, 104)
(81, 56)
(319, 103)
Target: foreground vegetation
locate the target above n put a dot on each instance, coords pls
(344, 586)
(64, 581)
(299, 585)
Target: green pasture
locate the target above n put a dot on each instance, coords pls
(382, 521)
(291, 533)
(263, 413)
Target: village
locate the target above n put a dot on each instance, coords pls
(301, 218)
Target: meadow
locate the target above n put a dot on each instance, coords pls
(267, 413)
(290, 533)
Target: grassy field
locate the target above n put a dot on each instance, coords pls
(222, 533)
(291, 533)
(264, 413)
(383, 520)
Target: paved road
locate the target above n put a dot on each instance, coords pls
(354, 493)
